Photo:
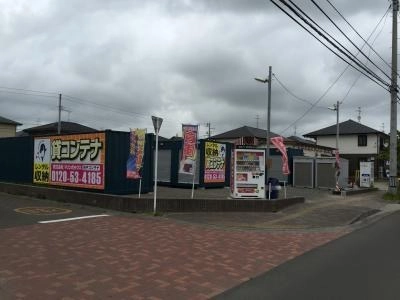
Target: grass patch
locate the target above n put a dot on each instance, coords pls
(393, 198)
(157, 214)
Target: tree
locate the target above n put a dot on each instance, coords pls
(384, 154)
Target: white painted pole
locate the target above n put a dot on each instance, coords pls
(284, 188)
(269, 191)
(140, 187)
(194, 175)
(155, 171)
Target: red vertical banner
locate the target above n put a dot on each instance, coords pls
(278, 143)
(189, 150)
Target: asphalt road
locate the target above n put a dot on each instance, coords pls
(19, 210)
(362, 265)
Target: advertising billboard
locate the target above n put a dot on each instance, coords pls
(214, 167)
(70, 160)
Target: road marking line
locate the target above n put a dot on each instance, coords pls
(72, 219)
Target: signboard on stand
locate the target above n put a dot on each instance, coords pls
(366, 173)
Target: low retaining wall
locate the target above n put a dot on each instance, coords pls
(355, 191)
(128, 204)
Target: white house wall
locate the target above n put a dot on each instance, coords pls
(7, 130)
(348, 144)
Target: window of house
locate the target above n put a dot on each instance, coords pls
(362, 140)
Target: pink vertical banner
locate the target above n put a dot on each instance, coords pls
(189, 150)
(278, 143)
(337, 164)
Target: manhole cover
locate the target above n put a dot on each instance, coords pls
(42, 210)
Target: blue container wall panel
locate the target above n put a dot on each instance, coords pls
(117, 152)
(16, 159)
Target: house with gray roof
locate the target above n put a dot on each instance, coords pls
(357, 143)
(256, 137)
(52, 129)
(244, 135)
(8, 128)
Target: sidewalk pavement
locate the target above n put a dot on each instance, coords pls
(321, 210)
(178, 256)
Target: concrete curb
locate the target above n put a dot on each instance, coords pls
(373, 216)
(129, 204)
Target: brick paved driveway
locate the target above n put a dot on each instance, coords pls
(139, 257)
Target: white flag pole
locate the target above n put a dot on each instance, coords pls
(140, 187)
(194, 175)
(195, 161)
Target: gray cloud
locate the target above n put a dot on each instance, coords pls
(186, 61)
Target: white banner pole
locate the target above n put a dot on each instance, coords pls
(194, 175)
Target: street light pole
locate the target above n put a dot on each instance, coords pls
(267, 80)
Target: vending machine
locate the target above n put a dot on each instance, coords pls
(248, 173)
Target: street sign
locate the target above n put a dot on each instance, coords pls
(156, 123)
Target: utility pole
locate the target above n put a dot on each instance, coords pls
(359, 114)
(208, 129)
(257, 118)
(393, 104)
(337, 125)
(269, 80)
(337, 165)
(59, 114)
(269, 117)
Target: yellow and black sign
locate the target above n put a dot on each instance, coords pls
(41, 210)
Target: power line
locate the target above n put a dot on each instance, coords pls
(384, 85)
(83, 101)
(340, 75)
(350, 57)
(34, 95)
(291, 93)
(366, 42)
(340, 46)
(26, 90)
(369, 52)
(341, 31)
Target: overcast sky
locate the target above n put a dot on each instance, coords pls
(188, 61)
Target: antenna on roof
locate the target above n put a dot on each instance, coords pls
(359, 114)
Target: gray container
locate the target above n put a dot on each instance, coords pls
(276, 168)
(303, 171)
(325, 173)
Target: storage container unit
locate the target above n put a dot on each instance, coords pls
(303, 172)
(325, 172)
(275, 170)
